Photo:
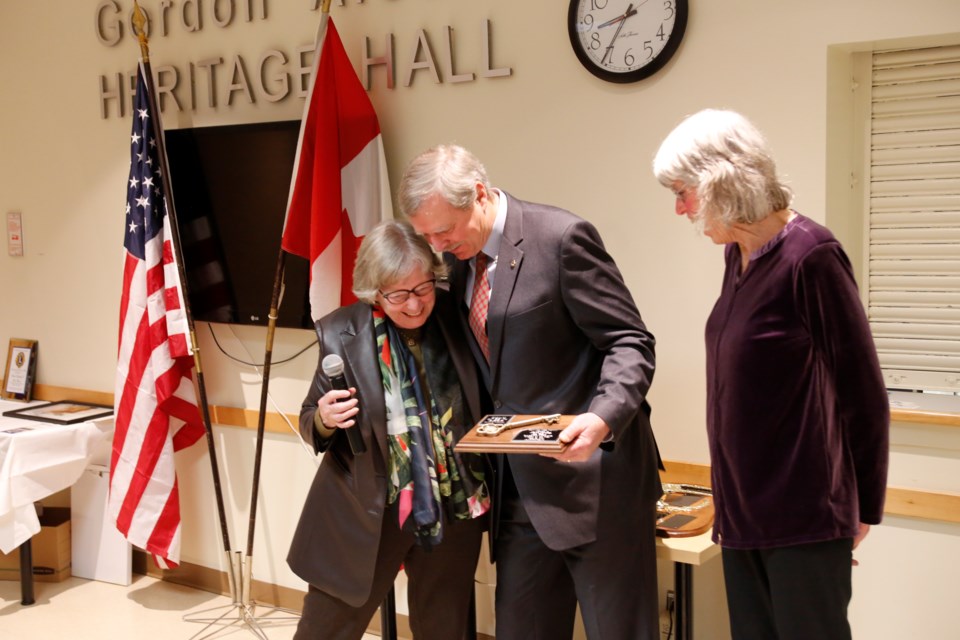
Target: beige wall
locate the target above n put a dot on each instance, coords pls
(549, 132)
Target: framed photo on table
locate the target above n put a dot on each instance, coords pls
(21, 370)
(63, 412)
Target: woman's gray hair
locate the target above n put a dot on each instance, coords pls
(727, 160)
(447, 169)
(389, 253)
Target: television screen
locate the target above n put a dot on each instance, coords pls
(230, 186)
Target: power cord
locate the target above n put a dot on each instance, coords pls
(254, 364)
(671, 608)
(258, 369)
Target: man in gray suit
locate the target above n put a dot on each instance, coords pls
(555, 330)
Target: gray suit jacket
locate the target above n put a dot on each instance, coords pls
(566, 337)
(335, 544)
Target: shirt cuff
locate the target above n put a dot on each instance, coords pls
(323, 430)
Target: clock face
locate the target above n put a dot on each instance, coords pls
(623, 40)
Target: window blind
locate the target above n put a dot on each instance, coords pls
(913, 297)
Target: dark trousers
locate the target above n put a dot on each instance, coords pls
(614, 579)
(789, 593)
(439, 586)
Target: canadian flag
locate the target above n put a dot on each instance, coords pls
(340, 188)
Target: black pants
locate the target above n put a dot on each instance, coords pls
(614, 580)
(798, 592)
(439, 586)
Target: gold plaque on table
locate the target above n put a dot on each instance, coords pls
(684, 510)
(506, 433)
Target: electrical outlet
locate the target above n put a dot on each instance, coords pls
(671, 601)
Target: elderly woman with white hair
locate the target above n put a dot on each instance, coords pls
(797, 412)
(409, 499)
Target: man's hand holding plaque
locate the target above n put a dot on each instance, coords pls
(582, 436)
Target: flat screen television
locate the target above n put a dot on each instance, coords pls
(230, 186)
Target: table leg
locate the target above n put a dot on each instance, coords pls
(683, 586)
(26, 573)
(388, 617)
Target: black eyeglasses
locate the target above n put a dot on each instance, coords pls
(402, 295)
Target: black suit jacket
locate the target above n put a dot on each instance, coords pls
(566, 337)
(335, 544)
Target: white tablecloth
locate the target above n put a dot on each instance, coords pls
(38, 462)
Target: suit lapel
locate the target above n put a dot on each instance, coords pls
(509, 261)
(458, 280)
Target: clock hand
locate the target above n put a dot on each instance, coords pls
(630, 12)
(623, 18)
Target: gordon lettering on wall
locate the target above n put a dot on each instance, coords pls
(276, 74)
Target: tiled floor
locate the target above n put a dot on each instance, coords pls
(149, 609)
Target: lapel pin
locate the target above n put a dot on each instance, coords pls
(513, 264)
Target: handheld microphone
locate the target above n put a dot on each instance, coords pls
(333, 368)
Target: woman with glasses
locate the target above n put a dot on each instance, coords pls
(409, 500)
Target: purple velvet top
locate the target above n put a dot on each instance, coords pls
(797, 413)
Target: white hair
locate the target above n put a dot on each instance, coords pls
(727, 160)
(448, 170)
(389, 253)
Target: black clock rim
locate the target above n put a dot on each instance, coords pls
(676, 36)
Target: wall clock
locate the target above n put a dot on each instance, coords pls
(623, 40)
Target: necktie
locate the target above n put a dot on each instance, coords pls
(478, 305)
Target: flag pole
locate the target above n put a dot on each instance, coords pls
(388, 606)
(275, 300)
(139, 21)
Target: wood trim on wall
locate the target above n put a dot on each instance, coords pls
(248, 418)
(50, 393)
(912, 503)
(927, 505)
(216, 581)
(925, 417)
(274, 422)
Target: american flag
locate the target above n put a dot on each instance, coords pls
(155, 400)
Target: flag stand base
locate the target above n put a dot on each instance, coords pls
(243, 611)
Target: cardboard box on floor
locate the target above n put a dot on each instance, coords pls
(51, 549)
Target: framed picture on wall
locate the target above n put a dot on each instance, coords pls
(21, 370)
(63, 412)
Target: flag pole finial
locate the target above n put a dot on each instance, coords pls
(139, 23)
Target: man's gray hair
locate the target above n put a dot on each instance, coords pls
(727, 160)
(389, 253)
(448, 170)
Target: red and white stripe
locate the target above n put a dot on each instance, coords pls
(155, 402)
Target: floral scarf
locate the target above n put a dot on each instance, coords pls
(426, 474)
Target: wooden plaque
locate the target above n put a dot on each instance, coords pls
(538, 437)
(20, 371)
(684, 511)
